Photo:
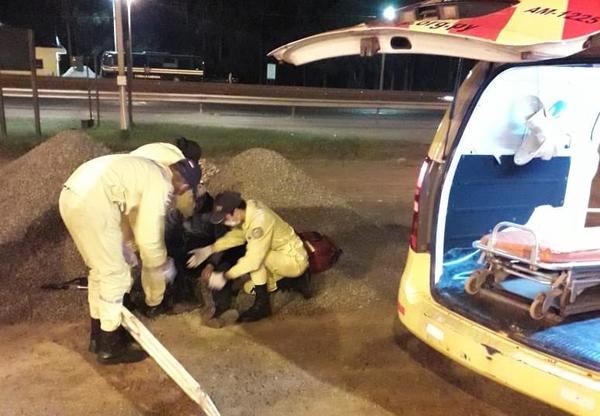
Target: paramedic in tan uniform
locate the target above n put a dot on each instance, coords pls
(273, 250)
(97, 199)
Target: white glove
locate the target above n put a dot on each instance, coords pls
(129, 254)
(169, 271)
(198, 255)
(217, 280)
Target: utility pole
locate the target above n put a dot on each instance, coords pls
(129, 65)
(382, 71)
(121, 78)
(3, 132)
(34, 90)
(66, 15)
(114, 3)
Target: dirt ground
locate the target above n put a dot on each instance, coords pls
(312, 357)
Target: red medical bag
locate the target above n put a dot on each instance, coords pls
(322, 251)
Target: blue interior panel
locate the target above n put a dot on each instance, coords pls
(485, 192)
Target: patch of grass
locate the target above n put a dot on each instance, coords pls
(21, 133)
(219, 141)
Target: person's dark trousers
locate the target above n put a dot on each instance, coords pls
(183, 287)
(224, 298)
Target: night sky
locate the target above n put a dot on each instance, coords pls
(231, 36)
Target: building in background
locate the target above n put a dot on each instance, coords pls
(14, 53)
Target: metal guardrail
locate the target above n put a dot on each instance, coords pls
(432, 104)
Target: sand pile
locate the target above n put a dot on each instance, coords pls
(32, 183)
(269, 177)
(209, 170)
(34, 245)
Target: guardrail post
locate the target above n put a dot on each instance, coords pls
(97, 91)
(3, 132)
(293, 111)
(201, 109)
(34, 90)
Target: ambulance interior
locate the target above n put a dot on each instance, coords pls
(529, 155)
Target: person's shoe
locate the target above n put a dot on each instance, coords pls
(261, 307)
(229, 317)
(112, 348)
(154, 311)
(129, 340)
(128, 302)
(94, 333)
(302, 285)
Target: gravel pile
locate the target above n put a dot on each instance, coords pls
(209, 170)
(32, 183)
(269, 177)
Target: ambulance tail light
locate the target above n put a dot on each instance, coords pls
(415, 219)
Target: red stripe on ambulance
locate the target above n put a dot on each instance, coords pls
(485, 27)
(580, 17)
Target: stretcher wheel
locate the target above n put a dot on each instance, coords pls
(565, 300)
(536, 310)
(474, 283)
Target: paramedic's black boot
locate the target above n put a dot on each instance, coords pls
(154, 311)
(164, 307)
(223, 299)
(261, 307)
(302, 285)
(94, 334)
(114, 349)
(129, 340)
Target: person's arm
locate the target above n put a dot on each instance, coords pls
(234, 237)
(259, 237)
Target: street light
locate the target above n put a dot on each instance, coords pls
(129, 64)
(389, 14)
(121, 79)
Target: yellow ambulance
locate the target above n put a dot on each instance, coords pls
(518, 149)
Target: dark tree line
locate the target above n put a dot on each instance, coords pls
(232, 36)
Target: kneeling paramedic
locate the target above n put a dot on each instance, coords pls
(273, 251)
(100, 199)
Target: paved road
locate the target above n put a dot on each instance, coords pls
(410, 125)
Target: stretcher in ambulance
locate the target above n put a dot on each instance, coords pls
(502, 217)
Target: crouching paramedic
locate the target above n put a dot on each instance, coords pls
(96, 200)
(273, 251)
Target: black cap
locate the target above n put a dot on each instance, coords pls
(191, 172)
(225, 203)
(189, 148)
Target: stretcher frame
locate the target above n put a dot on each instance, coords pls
(565, 280)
